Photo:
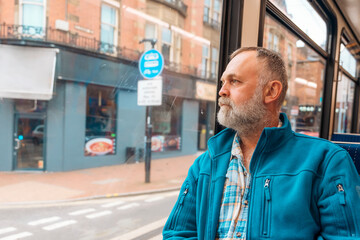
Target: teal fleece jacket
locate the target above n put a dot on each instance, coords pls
(314, 190)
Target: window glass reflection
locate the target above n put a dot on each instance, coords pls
(347, 60)
(344, 104)
(100, 121)
(92, 117)
(306, 18)
(167, 125)
(305, 77)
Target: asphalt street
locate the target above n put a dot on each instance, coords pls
(138, 217)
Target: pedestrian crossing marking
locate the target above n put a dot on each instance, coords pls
(6, 230)
(59, 225)
(98, 214)
(128, 206)
(44, 220)
(83, 211)
(17, 236)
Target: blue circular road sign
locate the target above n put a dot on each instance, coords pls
(151, 64)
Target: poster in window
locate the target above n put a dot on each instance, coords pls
(99, 146)
(160, 143)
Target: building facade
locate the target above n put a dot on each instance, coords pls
(71, 74)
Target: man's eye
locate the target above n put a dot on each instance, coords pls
(234, 81)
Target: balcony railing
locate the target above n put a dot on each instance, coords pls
(178, 5)
(211, 22)
(51, 35)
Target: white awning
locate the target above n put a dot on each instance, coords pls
(27, 72)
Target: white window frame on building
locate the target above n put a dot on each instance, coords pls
(207, 7)
(168, 44)
(149, 34)
(212, 13)
(205, 61)
(33, 30)
(275, 46)
(106, 46)
(214, 62)
(177, 49)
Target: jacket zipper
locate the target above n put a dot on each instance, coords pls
(346, 209)
(265, 227)
(179, 208)
(253, 174)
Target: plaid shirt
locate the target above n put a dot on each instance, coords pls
(235, 201)
(234, 207)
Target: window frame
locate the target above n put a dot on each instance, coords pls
(214, 60)
(328, 54)
(230, 40)
(211, 11)
(30, 2)
(115, 27)
(355, 128)
(115, 120)
(205, 67)
(169, 44)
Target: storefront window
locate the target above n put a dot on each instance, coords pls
(344, 104)
(100, 121)
(305, 78)
(167, 125)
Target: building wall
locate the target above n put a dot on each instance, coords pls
(6, 134)
(54, 138)
(7, 11)
(83, 16)
(66, 129)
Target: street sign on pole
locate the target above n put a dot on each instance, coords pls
(150, 92)
(151, 64)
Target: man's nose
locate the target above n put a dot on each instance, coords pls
(224, 91)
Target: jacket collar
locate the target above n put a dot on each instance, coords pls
(274, 137)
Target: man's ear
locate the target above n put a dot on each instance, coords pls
(272, 91)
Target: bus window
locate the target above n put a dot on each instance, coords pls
(305, 77)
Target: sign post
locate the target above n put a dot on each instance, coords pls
(151, 64)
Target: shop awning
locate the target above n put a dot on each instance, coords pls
(27, 72)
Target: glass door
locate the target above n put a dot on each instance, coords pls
(29, 141)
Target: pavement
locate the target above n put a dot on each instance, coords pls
(103, 182)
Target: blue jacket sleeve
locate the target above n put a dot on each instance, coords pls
(181, 223)
(339, 199)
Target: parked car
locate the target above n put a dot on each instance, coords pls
(38, 134)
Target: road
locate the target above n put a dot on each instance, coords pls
(139, 217)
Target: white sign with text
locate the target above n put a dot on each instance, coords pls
(150, 92)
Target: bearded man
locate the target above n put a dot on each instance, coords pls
(259, 179)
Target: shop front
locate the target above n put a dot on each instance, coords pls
(90, 117)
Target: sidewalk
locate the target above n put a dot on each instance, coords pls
(109, 181)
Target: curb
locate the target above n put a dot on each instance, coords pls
(113, 195)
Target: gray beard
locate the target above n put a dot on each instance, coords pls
(249, 117)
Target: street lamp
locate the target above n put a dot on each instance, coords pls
(153, 41)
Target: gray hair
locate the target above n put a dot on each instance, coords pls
(273, 68)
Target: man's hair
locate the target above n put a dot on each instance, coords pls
(273, 68)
